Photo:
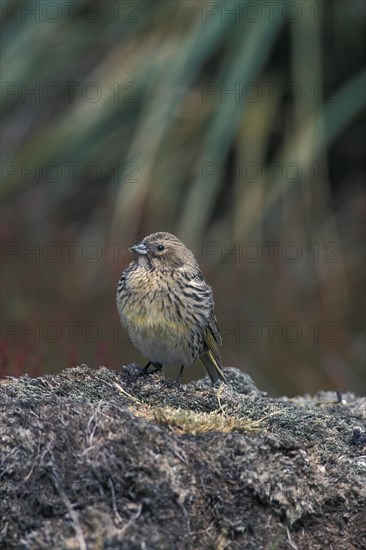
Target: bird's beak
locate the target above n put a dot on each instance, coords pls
(140, 248)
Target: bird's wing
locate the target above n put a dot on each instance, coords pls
(212, 337)
(211, 334)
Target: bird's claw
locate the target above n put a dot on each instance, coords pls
(172, 384)
(144, 371)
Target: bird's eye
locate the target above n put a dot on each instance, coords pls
(160, 247)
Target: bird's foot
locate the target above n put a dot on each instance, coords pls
(175, 383)
(158, 368)
(172, 384)
(144, 371)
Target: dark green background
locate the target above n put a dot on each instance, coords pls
(239, 126)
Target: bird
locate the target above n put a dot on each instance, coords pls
(167, 307)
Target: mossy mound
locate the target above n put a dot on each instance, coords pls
(99, 459)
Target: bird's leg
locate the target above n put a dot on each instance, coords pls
(145, 370)
(175, 383)
(178, 380)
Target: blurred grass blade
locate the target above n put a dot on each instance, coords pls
(177, 70)
(252, 52)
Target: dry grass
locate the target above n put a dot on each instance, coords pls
(182, 421)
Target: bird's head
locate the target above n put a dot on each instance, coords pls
(163, 251)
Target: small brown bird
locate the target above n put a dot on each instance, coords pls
(167, 307)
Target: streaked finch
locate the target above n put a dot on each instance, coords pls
(167, 307)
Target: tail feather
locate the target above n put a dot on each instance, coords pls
(213, 368)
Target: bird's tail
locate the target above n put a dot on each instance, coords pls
(213, 367)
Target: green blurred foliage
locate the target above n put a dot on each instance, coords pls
(237, 125)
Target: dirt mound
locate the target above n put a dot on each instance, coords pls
(99, 459)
